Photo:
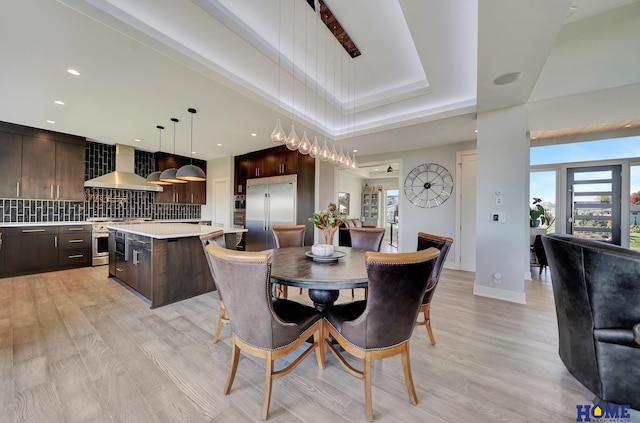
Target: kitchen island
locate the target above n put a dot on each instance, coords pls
(164, 262)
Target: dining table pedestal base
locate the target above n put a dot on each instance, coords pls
(322, 298)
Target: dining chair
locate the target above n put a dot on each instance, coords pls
(262, 326)
(368, 239)
(217, 237)
(443, 244)
(381, 326)
(287, 236)
(538, 250)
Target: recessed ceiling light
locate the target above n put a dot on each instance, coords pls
(59, 102)
(476, 131)
(73, 72)
(355, 151)
(219, 145)
(193, 152)
(50, 121)
(507, 78)
(136, 139)
(254, 134)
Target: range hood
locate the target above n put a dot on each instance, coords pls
(123, 177)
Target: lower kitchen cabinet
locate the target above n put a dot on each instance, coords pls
(138, 265)
(36, 249)
(1, 253)
(163, 270)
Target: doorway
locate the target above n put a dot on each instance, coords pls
(391, 216)
(593, 202)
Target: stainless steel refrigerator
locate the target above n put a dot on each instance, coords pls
(270, 201)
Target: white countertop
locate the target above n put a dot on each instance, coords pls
(170, 230)
(19, 224)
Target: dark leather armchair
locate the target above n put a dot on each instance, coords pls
(381, 326)
(287, 236)
(443, 244)
(217, 237)
(262, 326)
(596, 287)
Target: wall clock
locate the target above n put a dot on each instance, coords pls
(428, 185)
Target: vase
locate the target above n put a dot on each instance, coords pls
(534, 223)
(328, 234)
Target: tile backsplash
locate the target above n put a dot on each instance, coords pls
(99, 202)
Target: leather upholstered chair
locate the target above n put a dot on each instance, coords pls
(538, 249)
(368, 239)
(443, 244)
(287, 236)
(596, 291)
(262, 326)
(382, 325)
(217, 237)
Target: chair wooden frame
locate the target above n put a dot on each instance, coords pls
(223, 319)
(368, 355)
(317, 330)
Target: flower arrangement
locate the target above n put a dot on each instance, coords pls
(537, 212)
(328, 221)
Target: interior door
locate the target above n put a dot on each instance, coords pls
(594, 202)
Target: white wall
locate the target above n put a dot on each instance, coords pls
(502, 251)
(412, 219)
(218, 169)
(348, 182)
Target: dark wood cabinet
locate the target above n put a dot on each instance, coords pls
(281, 161)
(264, 163)
(31, 249)
(1, 252)
(139, 272)
(70, 171)
(189, 193)
(38, 168)
(10, 164)
(38, 164)
(35, 249)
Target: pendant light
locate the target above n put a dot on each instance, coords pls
(191, 172)
(154, 177)
(278, 135)
(305, 144)
(169, 175)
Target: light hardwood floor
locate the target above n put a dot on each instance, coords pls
(76, 346)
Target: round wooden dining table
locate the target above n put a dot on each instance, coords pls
(292, 267)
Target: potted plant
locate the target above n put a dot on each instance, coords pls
(537, 213)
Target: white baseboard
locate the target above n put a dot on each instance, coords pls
(499, 294)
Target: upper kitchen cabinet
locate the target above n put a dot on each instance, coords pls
(189, 193)
(10, 164)
(261, 164)
(38, 164)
